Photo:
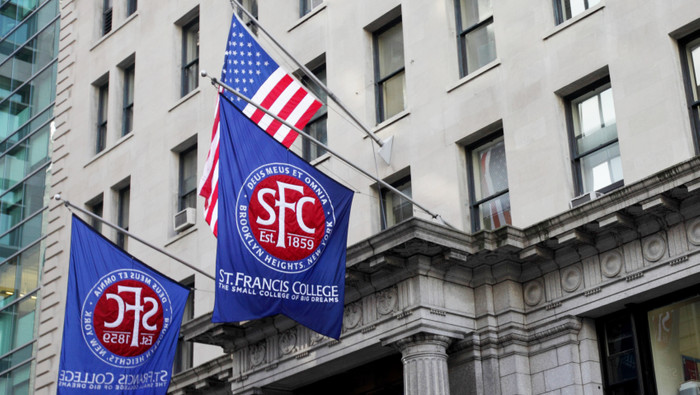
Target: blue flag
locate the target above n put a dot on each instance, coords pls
(122, 321)
(282, 232)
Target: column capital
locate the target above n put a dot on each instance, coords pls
(423, 339)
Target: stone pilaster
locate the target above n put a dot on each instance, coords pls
(424, 358)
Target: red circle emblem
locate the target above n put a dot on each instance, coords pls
(286, 217)
(128, 318)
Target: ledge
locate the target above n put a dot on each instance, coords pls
(185, 98)
(308, 16)
(475, 74)
(109, 149)
(115, 30)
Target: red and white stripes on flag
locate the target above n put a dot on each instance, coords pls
(494, 179)
(252, 72)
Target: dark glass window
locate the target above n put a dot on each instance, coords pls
(396, 208)
(488, 180)
(102, 111)
(389, 71)
(190, 57)
(477, 44)
(123, 215)
(97, 208)
(106, 17)
(131, 6)
(128, 110)
(188, 179)
(690, 56)
(317, 125)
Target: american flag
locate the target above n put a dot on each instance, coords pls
(494, 179)
(252, 72)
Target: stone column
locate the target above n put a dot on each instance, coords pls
(424, 358)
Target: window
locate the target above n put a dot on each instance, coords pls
(396, 208)
(567, 9)
(131, 6)
(190, 56)
(252, 7)
(317, 125)
(596, 152)
(96, 206)
(488, 180)
(123, 215)
(306, 6)
(184, 351)
(690, 53)
(187, 194)
(389, 71)
(102, 107)
(477, 45)
(106, 16)
(128, 110)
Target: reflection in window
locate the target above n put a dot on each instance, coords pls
(128, 110)
(490, 200)
(307, 6)
(316, 127)
(567, 9)
(596, 149)
(477, 44)
(123, 215)
(691, 70)
(187, 195)
(396, 207)
(106, 16)
(190, 57)
(389, 66)
(102, 111)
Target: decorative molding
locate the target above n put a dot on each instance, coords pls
(288, 341)
(676, 261)
(438, 312)
(693, 231)
(257, 353)
(533, 292)
(369, 328)
(593, 291)
(352, 316)
(302, 355)
(611, 263)
(634, 276)
(553, 305)
(387, 301)
(403, 315)
(571, 278)
(653, 248)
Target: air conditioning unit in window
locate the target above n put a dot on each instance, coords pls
(585, 198)
(184, 219)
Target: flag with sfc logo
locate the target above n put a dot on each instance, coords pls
(252, 72)
(122, 321)
(283, 229)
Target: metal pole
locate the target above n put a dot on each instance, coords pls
(126, 232)
(311, 76)
(215, 81)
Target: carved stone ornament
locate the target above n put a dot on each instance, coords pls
(288, 341)
(257, 353)
(533, 293)
(571, 278)
(352, 316)
(611, 263)
(315, 338)
(654, 248)
(693, 229)
(387, 300)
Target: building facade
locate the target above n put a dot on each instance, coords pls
(554, 145)
(28, 65)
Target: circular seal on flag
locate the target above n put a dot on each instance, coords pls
(284, 217)
(124, 317)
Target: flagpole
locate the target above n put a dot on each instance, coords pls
(126, 232)
(215, 81)
(311, 76)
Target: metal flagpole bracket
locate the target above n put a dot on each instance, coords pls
(384, 150)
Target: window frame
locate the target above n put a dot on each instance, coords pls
(310, 151)
(131, 7)
(461, 38)
(107, 17)
(601, 85)
(474, 204)
(379, 81)
(385, 193)
(182, 194)
(128, 105)
(559, 10)
(102, 117)
(692, 93)
(304, 8)
(123, 211)
(187, 30)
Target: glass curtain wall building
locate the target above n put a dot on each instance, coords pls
(28, 61)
